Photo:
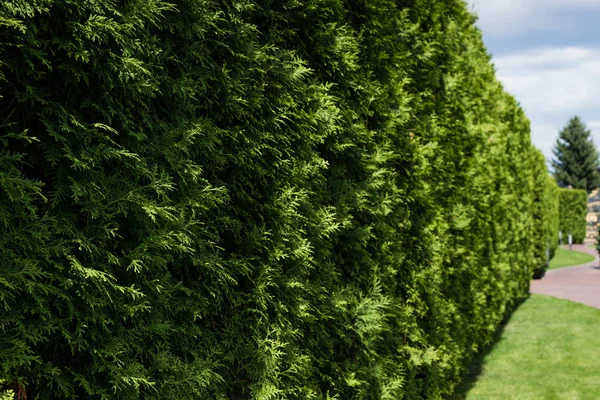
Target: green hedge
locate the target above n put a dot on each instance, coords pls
(255, 199)
(573, 213)
(552, 214)
(546, 213)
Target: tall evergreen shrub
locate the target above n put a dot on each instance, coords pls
(255, 199)
(546, 213)
(573, 213)
(552, 219)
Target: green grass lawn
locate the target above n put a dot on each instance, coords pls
(549, 350)
(565, 258)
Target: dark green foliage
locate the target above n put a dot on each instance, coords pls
(575, 160)
(546, 213)
(573, 213)
(256, 199)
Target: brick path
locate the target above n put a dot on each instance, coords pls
(580, 284)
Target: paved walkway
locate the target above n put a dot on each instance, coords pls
(580, 283)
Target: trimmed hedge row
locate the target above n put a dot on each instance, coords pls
(552, 220)
(573, 213)
(546, 214)
(256, 199)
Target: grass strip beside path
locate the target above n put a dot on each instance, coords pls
(550, 350)
(566, 258)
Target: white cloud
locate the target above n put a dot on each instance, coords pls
(510, 18)
(552, 85)
(557, 81)
(545, 58)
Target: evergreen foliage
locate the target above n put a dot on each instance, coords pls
(575, 160)
(6, 394)
(552, 213)
(256, 199)
(545, 213)
(573, 213)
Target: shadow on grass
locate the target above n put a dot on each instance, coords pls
(475, 368)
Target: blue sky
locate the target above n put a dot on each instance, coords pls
(547, 54)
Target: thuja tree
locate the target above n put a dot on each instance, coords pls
(155, 161)
(204, 199)
(575, 159)
(573, 213)
(552, 207)
(546, 213)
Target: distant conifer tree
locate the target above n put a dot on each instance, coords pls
(575, 159)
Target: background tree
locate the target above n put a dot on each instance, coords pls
(575, 159)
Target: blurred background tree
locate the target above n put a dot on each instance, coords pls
(575, 159)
